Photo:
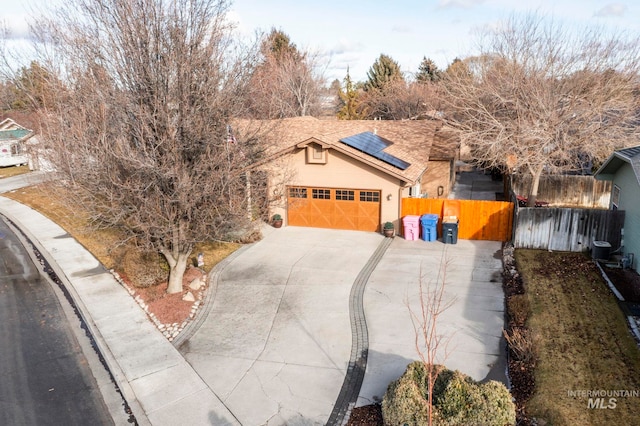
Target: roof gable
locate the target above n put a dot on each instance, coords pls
(12, 131)
(618, 159)
(410, 140)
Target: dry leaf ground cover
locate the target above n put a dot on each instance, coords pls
(131, 265)
(582, 343)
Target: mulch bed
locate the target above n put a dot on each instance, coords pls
(369, 415)
(521, 373)
(627, 281)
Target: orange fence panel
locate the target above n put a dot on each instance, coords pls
(478, 219)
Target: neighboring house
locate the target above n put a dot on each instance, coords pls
(12, 143)
(623, 169)
(352, 174)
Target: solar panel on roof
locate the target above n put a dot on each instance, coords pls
(373, 145)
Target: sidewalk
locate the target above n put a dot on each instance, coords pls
(159, 385)
(275, 342)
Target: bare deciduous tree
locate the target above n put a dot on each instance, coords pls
(399, 100)
(140, 127)
(287, 82)
(543, 99)
(431, 344)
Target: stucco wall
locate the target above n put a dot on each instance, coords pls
(340, 171)
(438, 174)
(629, 201)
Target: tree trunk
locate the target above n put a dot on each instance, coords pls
(535, 183)
(177, 267)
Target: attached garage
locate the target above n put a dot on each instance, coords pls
(345, 174)
(336, 208)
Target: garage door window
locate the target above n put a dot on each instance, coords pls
(371, 196)
(345, 195)
(298, 192)
(321, 194)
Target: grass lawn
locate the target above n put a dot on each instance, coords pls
(581, 341)
(6, 172)
(103, 244)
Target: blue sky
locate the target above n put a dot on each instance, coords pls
(353, 33)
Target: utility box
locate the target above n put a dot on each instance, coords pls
(601, 250)
(411, 226)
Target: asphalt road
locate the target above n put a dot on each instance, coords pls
(45, 377)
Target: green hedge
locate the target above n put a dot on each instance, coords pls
(457, 399)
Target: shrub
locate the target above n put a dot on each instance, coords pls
(406, 399)
(520, 343)
(458, 400)
(388, 225)
(518, 308)
(144, 268)
(466, 402)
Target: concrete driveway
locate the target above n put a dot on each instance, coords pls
(277, 341)
(472, 324)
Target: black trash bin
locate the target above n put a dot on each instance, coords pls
(450, 231)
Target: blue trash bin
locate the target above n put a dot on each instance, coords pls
(429, 224)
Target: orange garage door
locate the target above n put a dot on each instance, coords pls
(336, 208)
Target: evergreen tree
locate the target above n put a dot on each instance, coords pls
(428, 71)
(278, 45)
(349, 100)
(383, 71)
(458, 67)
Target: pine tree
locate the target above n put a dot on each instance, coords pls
(349, 100)
(383, 71)
(428, 71)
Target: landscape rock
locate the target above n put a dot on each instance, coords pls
(196, 283)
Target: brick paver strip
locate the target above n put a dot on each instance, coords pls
(359, 342)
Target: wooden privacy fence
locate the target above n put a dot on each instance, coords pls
(566, 229)
(566, 190)
(478, 220)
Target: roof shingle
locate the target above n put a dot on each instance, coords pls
(413, 140)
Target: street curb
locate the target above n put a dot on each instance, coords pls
(104, 351)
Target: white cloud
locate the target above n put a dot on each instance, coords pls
(612, 9)
(464, 4)
(402, 29)
(16, 27)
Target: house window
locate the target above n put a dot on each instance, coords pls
(615, 197)
(297, 192)
(371, 196)
(345, 194)
(317, 152)
(321, 194)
